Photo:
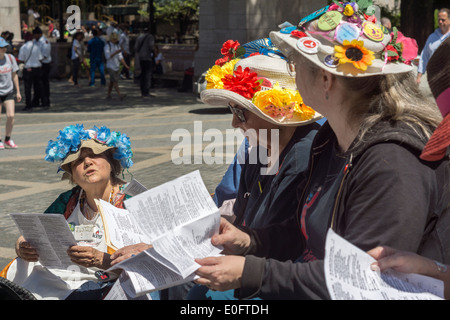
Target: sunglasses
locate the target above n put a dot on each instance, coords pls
(238, 112)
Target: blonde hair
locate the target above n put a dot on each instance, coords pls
(390, 97)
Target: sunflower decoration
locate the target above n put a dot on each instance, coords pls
(281, 103)
(355, 53)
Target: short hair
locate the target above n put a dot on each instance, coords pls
(446, 11)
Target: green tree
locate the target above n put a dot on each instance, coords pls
(185, 12)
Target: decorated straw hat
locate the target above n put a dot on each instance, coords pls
(346, 39)
(256, 76)
(438, 74)
(68, 145)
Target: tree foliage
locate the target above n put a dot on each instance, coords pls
(177, 10)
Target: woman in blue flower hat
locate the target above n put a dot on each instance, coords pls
(93, 161)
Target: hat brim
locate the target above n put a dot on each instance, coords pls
(95, 146)
(288, 44)
(436, 147)
(222, 97)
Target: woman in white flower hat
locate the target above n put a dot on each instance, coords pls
(366, 179)
(92, 160)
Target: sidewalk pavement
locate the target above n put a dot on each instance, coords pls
(30, 184)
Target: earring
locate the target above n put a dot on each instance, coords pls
(326, 95)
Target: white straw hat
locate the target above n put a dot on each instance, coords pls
(273, 74)
(326, 34)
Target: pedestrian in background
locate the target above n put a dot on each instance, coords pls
(113, 55)
(76, 56)
(95, 49)
(124, 43)
(8, 82)
(434, 41)
(31, 56)
(43, 96)
(144, 49)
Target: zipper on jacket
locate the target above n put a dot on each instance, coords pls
(338, 196)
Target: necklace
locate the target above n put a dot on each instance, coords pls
(87, 211)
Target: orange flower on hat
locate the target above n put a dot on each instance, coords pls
(355, 53)
(282, 103)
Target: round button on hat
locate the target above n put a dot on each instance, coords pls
(373, 31)
(329, 20)
(308, 45)
(347, 31)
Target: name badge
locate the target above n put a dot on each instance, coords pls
(84, 232)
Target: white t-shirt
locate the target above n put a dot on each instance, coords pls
(7, 66)
(30, 54)
(113, 63)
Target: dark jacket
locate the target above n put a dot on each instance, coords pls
(386, 196)
(265, 199)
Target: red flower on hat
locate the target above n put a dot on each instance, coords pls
(392, 53)
(229, 47)
(228, 51)
(298, 34)
(371, 18)
(243, 82)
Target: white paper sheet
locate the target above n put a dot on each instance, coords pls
(178, 218)
(349, 277)
(49, 234)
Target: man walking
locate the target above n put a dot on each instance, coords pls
(43, 96)
(95, 48)
(144, 47)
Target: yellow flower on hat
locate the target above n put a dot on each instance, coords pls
(282, 103)
(215, 74)
(354, 52)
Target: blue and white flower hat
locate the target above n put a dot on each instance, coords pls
(66, 148)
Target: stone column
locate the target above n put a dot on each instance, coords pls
(243, 20)
(10, 18)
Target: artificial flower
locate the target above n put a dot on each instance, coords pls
(348, 10)
(371, 18)
(392, 53)
(229, 49)
(336, 7)
(215, 74)
(243, 82)
(281, 103)
(298, 34)
(405, 47)
(70, 138)
(355, 53)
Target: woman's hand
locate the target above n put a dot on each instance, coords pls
(233, 240)
(25, 251)
(128, 251)
(89, 257)
(402, 261)
(18, 97)
(220, 273)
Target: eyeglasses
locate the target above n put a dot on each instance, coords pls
(238, 112)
